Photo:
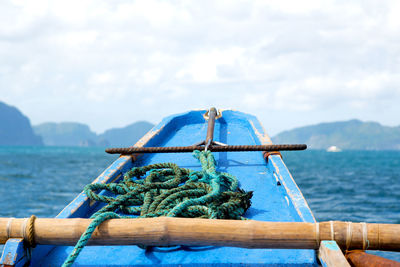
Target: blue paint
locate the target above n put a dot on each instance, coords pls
(323, 264)
(330, 244)
(80, 207)
(14, 253)
(270, 202)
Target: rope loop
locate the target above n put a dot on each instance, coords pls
(28, 231)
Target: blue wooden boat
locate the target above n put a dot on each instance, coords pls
(276, 198)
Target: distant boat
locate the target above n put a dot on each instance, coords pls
(333, 149)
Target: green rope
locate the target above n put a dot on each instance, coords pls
(167, 190)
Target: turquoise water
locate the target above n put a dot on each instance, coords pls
(42, 180)
(350, 185)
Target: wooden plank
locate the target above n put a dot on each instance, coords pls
(330, 255)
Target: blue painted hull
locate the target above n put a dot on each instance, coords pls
(270, 202)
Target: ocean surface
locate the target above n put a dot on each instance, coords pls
(350, 185)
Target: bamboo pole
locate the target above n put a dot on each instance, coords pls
(167, 231)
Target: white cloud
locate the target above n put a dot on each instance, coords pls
(101, 78)
(318, 59)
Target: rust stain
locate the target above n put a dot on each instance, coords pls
(8, 260)
(270, 153)
(150, 134)
(219, 114)
(119, 166)
(360, 258)
(264, 138)
(92, 202)
(73, 201)
(134, 157)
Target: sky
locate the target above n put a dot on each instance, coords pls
(290, 63)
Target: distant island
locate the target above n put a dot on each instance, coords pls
(66, 134)
(78, 134)
(346, 135)
(16, 129)
(125, 136)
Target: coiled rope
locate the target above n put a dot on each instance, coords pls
(168, 190)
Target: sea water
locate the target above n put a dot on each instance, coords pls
(359, 186)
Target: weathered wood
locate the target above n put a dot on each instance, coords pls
(330, 255)
(165, 231)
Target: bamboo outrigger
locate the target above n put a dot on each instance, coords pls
(167, 231)
(281, 229)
